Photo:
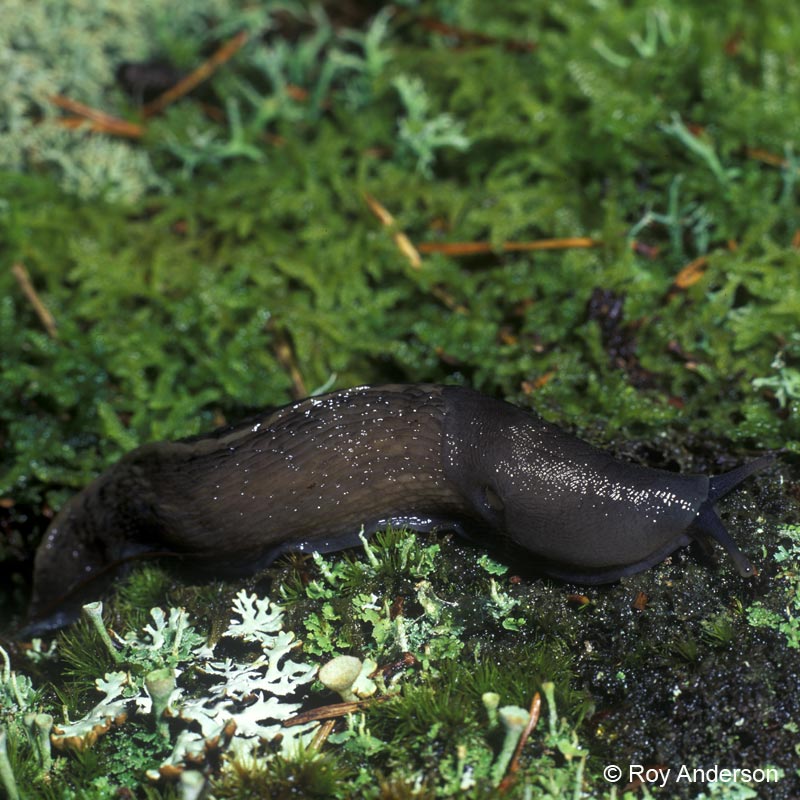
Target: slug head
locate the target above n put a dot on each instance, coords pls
(708, 525)
(69, 562)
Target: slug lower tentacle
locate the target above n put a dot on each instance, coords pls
(309, 475)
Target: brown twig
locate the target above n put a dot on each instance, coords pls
(476, 248)
(513, 767)
(41, 310)
(98, 120)
(196, 76)
(332, 711)
(402, 241)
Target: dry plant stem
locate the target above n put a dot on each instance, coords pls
(536, 707)
(284, 353)
(448, 300)
(45, 317)
(197, 76)
(411, 253)
(98, 120)
(402, 241)
(321, 736)
(476, 248)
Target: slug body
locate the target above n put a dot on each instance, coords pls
(309, 475)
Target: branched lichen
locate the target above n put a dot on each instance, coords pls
(242, 707)
(17, 694)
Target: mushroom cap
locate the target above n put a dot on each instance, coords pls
(340, 673)
(513, 717)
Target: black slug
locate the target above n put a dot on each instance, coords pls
(308, 475)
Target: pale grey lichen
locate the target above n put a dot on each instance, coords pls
(339, 675)
(16, 691)
(72, 47)
(112, 708)
(167, 641)
(244, 705)
(248, 694)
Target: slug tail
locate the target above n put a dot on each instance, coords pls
(721, 485)
(707, 522)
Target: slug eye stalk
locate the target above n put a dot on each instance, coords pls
(709, 524)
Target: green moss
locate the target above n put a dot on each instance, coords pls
(784, 616)
(306, 775)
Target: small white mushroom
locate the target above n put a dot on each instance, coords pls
(160, 684)
(39, 727)
(514, 719)
(344, 675)
(491, 700)
(94, 613)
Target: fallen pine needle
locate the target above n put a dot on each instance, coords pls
(475, 248)
(197, 76)
(402, 241)
(765, 157)
(99, 121)
(691, 273)
(128, 129)
(41, 310)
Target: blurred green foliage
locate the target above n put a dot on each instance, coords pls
(621, 122)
